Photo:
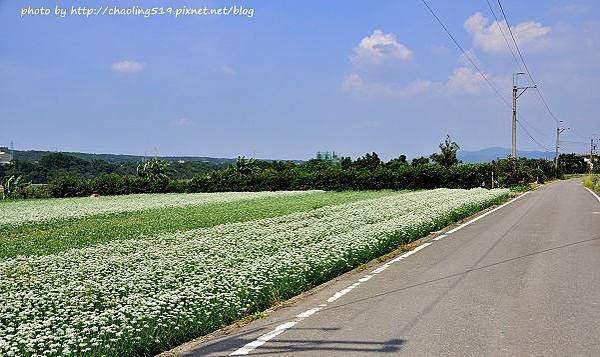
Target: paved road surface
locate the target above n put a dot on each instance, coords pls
(522, 281)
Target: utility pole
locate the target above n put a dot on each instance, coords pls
(515, 96)
(558, 131)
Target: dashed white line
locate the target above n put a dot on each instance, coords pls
(264, 338)
(365, 278)
(340, 293)
(485, 214)
(283, 327)
(381, 268)
(308, 312)
(440, 237)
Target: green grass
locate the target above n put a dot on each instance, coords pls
(571, 176)
(592, 182)
(56, 236)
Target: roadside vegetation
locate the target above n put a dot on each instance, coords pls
(592, 182)
(141, 291)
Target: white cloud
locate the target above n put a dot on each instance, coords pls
(488, 37)
(127, 67)
(418, 86)
(462, 81)
(379, 47)
(352, 82)
(469, 55)
(227, 70)
(356, 84)
(183, 122)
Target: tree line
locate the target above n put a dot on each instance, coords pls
(53, 165)
(369, 172)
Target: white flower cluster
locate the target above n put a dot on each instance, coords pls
(142, 296)
(19, 212)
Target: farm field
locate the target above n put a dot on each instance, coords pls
(53, 235)
(136, 281)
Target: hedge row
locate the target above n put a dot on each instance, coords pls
(506, 173)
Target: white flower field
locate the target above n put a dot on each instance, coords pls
(25, 211)
(147, 294)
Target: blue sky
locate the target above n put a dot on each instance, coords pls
(296, 78)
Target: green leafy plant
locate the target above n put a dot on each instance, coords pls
(245, 166)
(12, 184)
(154, 170)
(447, 156)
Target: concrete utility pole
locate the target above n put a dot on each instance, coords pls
(558, 131)
(515, 96)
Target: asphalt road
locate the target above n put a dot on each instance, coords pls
(521, 281)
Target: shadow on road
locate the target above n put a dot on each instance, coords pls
(224, 346)
(279, 346)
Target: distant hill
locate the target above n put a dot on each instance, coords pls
(36, 155)
(483, 155)
(494, 153)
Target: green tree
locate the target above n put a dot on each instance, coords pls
(245, 166)
(447, 156)
(368, 162)
(154, 170)
(419, 161)
(396, 163)
(571, 164)
(346, 162)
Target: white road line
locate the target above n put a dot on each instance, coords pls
(485, 214)
(440, 237)
(307, 313)
(264, 338)
(283, 327)
(593, 193)
(381, 268)
(340, 293)
(365, 278)
(408, 254)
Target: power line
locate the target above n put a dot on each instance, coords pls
(512, 52)
(465, 53)
(532, 138)
(481, 73)
(538, 131)
(574, 142)
(538, 91)
(515, 42)
(578, 135)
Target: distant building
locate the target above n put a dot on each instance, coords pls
(331, 157)
(5, 155)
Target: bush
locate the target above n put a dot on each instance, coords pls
(33, 191)
(111, 185)
(70, 186)
(177, 186)
(592, 182)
